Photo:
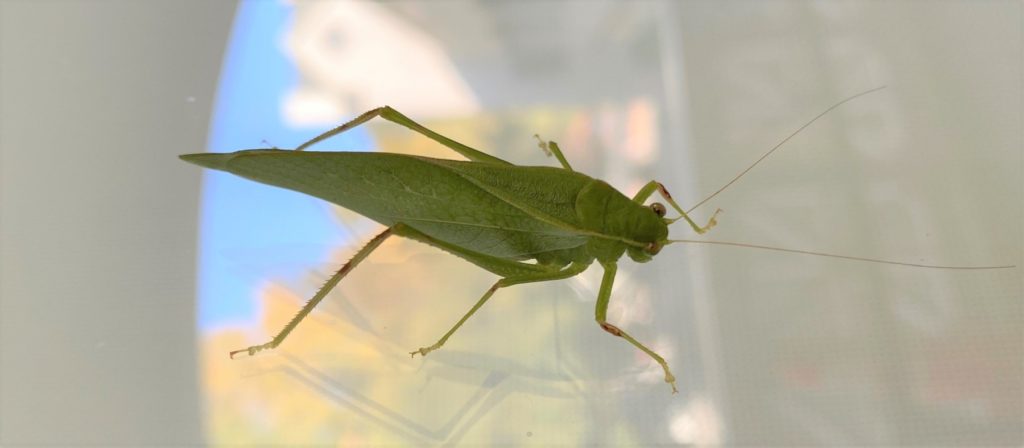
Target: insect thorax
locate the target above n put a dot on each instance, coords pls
(605, 210)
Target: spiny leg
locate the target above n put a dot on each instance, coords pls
(387, 113)
(366, 116)
(601, 313)
(653, 186)
(326, 288)
(571, 271)
(551, 148)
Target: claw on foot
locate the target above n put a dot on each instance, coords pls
(671, 380)
(422, 351)
(543, 145)
(713, 221)
(251, 350)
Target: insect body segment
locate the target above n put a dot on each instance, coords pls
(486, 211)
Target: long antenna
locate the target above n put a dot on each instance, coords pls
(845, 257)
(777, 146)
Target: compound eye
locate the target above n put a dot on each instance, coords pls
(653, 248)
(659, 209)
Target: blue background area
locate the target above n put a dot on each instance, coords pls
(238, 216)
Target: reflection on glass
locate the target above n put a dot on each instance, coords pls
(768, 349)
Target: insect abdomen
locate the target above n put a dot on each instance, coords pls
(426, 194)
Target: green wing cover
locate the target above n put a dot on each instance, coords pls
(501, 210)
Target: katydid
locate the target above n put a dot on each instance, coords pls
(489, 212)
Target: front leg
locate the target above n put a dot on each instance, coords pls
(653, 186)
(601, 313)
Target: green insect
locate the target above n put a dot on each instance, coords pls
(486, 210)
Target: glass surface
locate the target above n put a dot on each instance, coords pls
(768, 348)
(102, 344)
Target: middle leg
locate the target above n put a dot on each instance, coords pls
(551, 148)
(571, 271)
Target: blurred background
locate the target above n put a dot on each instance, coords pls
(126, 275)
